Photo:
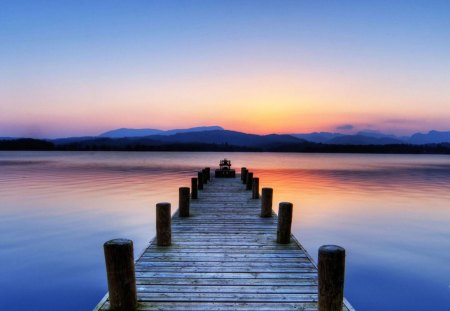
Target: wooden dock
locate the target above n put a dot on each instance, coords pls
(224, 256)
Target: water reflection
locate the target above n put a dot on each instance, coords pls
(392, 213)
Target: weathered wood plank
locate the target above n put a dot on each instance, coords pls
(227, 306)
(263, 289)
(227, 297)
(227, 282)
(251, 275)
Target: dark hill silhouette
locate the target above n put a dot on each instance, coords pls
(272, 143)
(25, 144)
(317, 137)
(125, 132)
(363, 140)
(226, 137)
(432, 137)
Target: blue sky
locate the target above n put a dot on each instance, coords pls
(81, 67)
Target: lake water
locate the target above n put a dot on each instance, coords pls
(390, 212)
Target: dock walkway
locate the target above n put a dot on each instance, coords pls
(225, 257)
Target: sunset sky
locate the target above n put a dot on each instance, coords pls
(73, 68)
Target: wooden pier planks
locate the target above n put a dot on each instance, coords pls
(225, 257)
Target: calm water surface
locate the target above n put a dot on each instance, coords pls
(391, 213)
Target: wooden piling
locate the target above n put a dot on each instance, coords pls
(120, 271)
(242, 173)
(255, 188)
(284, 223)
(208, 173)
(266, 202)
(249, 181)
(244, 176)
(194, 192)
(331, 277)
(183, 201)
(163, 224)
(204, 175)
(200, 180)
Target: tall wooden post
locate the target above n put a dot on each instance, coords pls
(266, 202)
(183, 201)
(200, 180)
(331, 277)
(119, 260)
(242, 173)
(163, 224)
(194, 194)
(255, 188)
(244, 176)
(284, 223)
(249, 181)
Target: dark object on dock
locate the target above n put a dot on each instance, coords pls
(266, 202)
(255, 188)
(200, 180)
(244, 172)
(194, 185)
(119, 260)
(183, 201)
(208, 173)
(225, 169)
(249, 181)
(284, 223)
(331, 277)
(205, 176)
(163, 224)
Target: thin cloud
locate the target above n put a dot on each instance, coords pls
(345, 127)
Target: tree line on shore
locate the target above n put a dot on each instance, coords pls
(29, 144)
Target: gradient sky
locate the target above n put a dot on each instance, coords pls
(82, 67)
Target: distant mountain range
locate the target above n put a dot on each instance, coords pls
(376, 138)
(208, 137)
(214, 138)
(125, 132)
(216, 135)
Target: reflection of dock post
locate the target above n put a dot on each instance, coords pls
(331, 277)
(284, 223)
(249, 181)
(255, 188)
(183, 201)
(120, 271)
(194, 194)
(266, 202)
(163, 224)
